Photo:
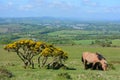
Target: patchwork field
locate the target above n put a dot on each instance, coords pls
(12, 63)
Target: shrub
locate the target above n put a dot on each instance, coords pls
(65, 76)
(4, 74)
(111, 66)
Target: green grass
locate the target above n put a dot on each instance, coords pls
(11, 62)
(74, 32)
(116, 42)
(88, 42)
(83, 42)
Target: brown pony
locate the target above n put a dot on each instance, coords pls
(91, 59)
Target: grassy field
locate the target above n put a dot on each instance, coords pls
(11, 62)
(88, 42)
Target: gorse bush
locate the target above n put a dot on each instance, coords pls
(27, 49)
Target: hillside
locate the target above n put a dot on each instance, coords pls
(57, 31)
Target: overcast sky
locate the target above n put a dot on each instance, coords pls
(79, 9)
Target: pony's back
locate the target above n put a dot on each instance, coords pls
(100, 57)
(90, 57)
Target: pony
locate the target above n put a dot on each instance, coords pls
(94, 61)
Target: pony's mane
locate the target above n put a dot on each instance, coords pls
(100, 57)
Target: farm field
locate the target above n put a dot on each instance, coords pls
(11, 62)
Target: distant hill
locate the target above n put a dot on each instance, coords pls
(47, 19)
(35, 20)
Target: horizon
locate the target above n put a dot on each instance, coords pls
(57, 18)
(102, 10)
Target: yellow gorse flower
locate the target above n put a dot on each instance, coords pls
(65, 54)
(46, 52)
(31, 42)
(39, 43)
(26, 41)
(36, 47)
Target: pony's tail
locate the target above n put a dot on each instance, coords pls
(82, 59)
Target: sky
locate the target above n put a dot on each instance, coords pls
(77, 9)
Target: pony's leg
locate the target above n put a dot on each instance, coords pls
(103, 67)
(93, 65)
(85, 64)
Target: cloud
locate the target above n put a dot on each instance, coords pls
(66, 6)
(113, 9)
(90, 3)
(33, 5)
(10, 3)
(26, 7)
(38, 3)
(60, 5)
(86, 1)
(51, 5)
(5, 6)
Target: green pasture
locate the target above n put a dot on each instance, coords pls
(64, 33)
(11, 62)
(116, 42)
(88, 42)
(83, 42)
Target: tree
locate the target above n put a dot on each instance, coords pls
(56, 53)
(27, 49)
(104, 43)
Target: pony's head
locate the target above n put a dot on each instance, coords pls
(104, 64)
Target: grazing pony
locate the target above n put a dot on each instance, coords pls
(94, 60)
